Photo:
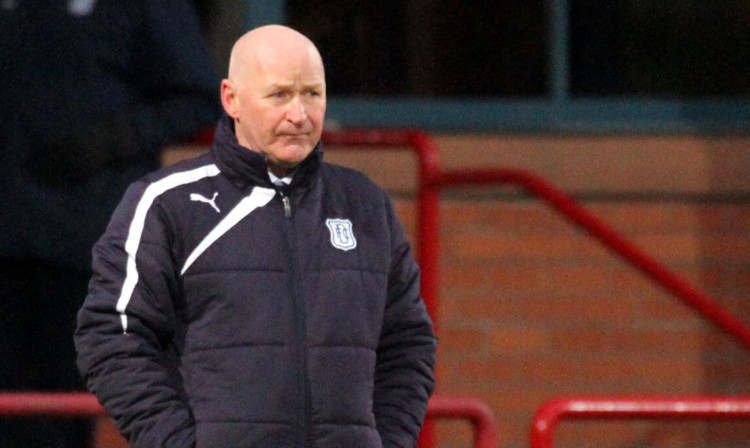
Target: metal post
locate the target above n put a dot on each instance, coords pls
(559, 49)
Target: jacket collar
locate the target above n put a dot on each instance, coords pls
(245, 167)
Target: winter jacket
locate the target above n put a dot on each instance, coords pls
(225, 311)
(112, 79)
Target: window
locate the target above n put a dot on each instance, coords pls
(664, 48)
(437, 48)
(533, 65)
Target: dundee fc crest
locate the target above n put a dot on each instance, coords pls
(342, 236)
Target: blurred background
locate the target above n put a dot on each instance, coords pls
(638, 111)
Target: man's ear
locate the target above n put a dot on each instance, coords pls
(229, 99)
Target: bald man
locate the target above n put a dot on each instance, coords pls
(257, 296)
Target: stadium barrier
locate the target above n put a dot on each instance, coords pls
(632, 408)
(82, 405)
(431, 180)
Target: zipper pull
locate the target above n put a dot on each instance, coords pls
(287, 206)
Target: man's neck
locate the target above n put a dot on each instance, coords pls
(275, 179)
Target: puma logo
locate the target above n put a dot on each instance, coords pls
(201, 198)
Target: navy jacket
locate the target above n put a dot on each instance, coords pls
(67, 65)
(225, 311)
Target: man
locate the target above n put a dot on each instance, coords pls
(91, 91)
(257, 296)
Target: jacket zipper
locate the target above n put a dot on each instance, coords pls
(300, 335)
(287, 206)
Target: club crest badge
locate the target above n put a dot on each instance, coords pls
(342, 236)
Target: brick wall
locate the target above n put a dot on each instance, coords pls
(531, 308)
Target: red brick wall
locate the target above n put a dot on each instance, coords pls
(531, 308)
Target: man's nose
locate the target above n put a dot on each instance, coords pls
(296, 112)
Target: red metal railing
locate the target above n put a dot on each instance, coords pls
(475, 411)
(431, 180)
(632, 408)
(71, 404)
(81, 404)
(695, 299)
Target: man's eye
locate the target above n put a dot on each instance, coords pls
(278, 94)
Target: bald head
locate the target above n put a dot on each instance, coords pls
(275, 92)
(268, 44)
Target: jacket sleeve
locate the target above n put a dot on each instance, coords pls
(126, 324)
(176, 73)
(404, 373)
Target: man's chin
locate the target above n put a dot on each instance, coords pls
(291, 156)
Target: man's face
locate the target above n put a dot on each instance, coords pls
(279, 105)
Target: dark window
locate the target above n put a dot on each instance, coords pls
(663, 49)
(435, 48)
(667, 48)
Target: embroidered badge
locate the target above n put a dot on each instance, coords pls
(342, 236)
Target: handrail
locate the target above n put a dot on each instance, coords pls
(682, 408)
(647, 265)
(83, 404)
(57, 404)
(473, 410)
(432, 179)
